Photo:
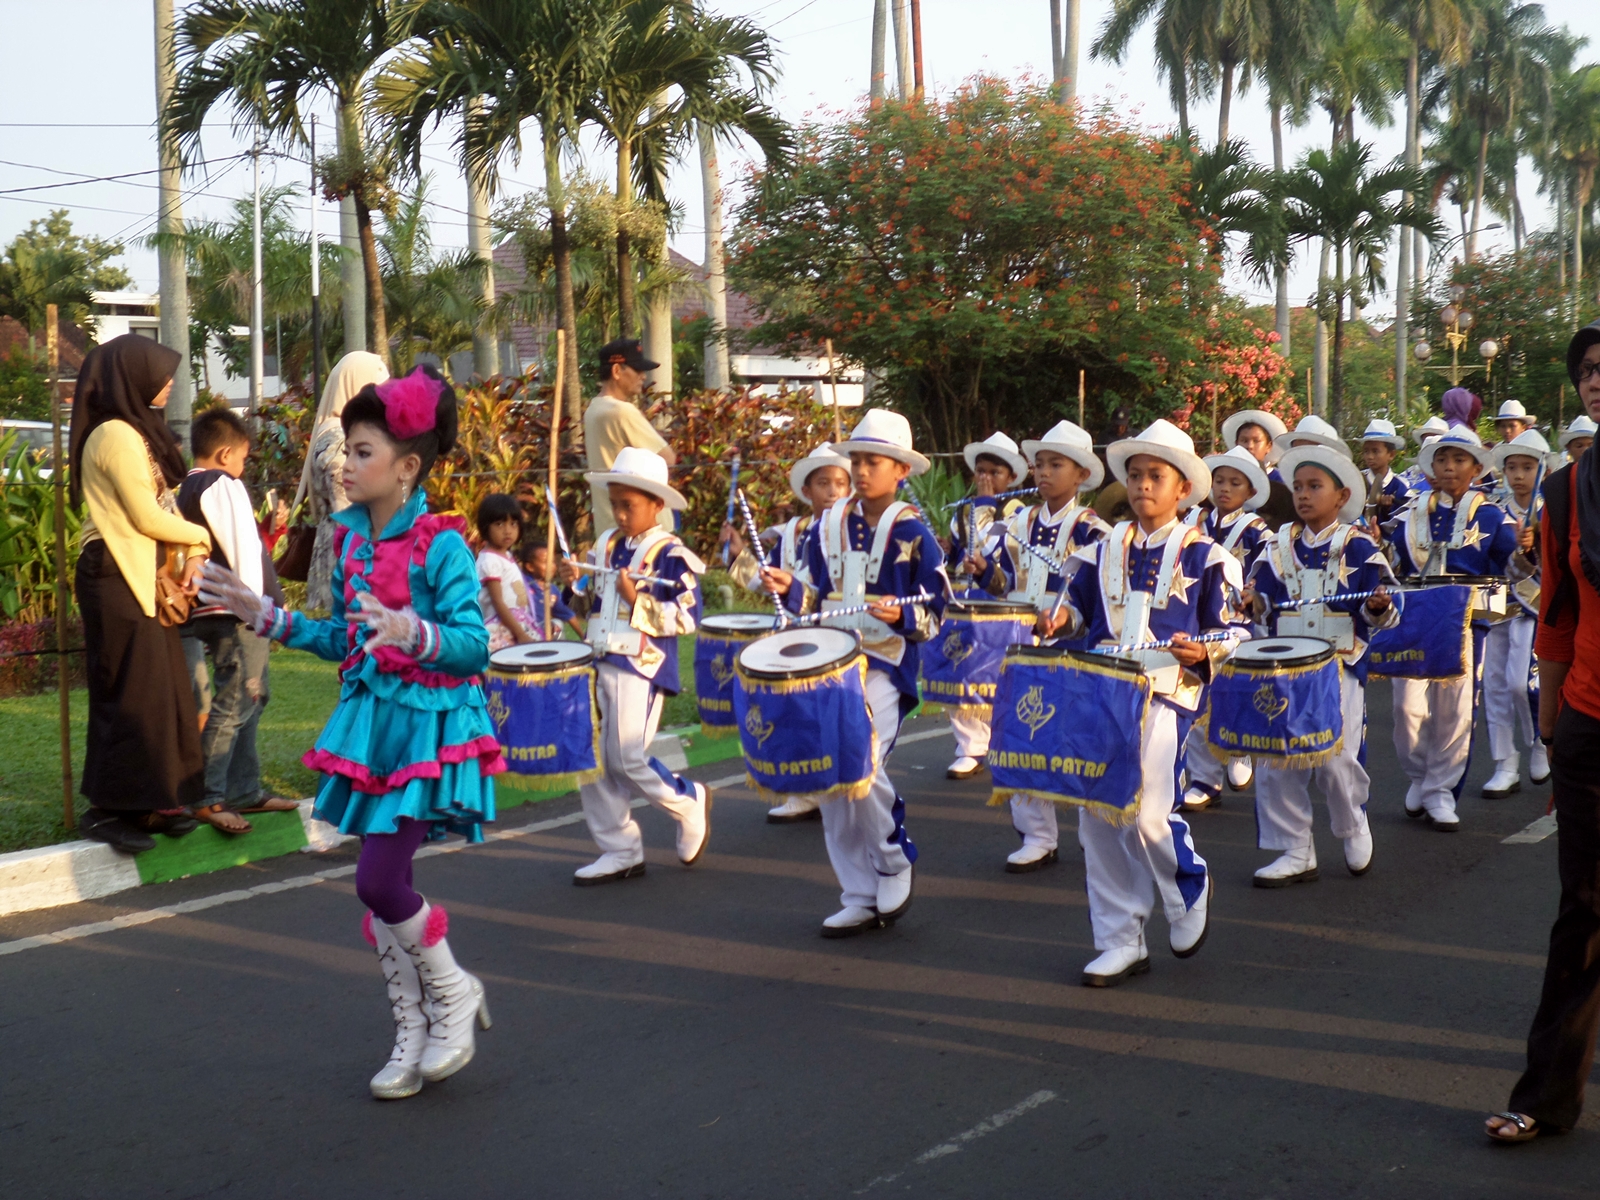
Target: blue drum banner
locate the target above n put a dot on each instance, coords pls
(1433, 639)
(1287, 716)
(1068, 730)
(961, 666)
(548, 724)
(807, 737)
(714, 655)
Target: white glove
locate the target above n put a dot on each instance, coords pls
(397, 627)
(218, 585)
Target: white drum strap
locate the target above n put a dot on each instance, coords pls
(1241, 523)
(839, 556)
(1419, 525)
(1119, 600)
(1302, 583)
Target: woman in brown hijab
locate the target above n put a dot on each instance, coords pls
(142, 764)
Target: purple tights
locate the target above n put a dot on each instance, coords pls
(383, 874)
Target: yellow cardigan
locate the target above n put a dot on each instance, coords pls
(120, 493)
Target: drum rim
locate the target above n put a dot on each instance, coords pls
(1304, 660)
(1118, 661)
(708, 623)
(1459, 580)
(998, 607)
(543, 668)
(778, 674)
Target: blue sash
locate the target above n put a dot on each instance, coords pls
(1289, 717)
(1433, 639)
(548, 724)
(961, 666)
(1068, 730)
(807, 737)
(714, 655)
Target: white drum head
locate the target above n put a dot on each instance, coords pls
(796, 653)
(541, 656)
(751, 624)
(1283, 652)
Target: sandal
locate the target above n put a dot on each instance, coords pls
(222, 818)
(1527, 1128)
(272, 804)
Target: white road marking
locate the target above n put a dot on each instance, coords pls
(145, 916)
(961, 1140)
(1536, 831)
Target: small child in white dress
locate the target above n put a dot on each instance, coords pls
(502, 593)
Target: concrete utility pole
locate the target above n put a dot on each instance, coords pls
(916, 46)
(172, 262)
(902, 48)
(352, 279)
(316, 279)
(1069, 52)
(258, 333)
(717, 374)
(485, 344)
(880, 46)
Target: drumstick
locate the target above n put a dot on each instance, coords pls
(962, 503)
(889, 601)
(583, 566)
(733, 490)
(755, 549)
(555, 519)
(1165, 644)
(1287, 605)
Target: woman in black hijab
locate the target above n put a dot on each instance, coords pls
(142, 762)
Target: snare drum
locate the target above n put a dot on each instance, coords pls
(800, 699)
(1489, 593)
(716, 645)
(961, 666)
(1067, 728)
(1434, 639)
(1277, 699)
(542, 701)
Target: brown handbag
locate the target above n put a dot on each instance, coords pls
(295, 561)
(172, 603)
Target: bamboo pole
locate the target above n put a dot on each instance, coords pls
(1080, 398)
(555, 459)
(58, 477)
(916, 46)
(833, 382)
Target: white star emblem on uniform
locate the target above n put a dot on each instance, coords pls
(1180, 585)
(907, 547)
(1345, 571)
(1473, 536)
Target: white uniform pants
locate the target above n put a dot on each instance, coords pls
(866, 838)
(1035, 821)
(630, 711)
(1204, 767)
(1283, 796)
(1507, 658)
(1433, 739)
(971, 733)
(1126, 865)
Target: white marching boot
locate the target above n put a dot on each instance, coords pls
(1539, 763)
(795, 808)
(1240, 773)
(1292, 866)
(849, 921)
(611, 867)
(1115, 965)
(1507, 778)
(1358, 851)
(401, 1076)
(1188, 933)
(1030, 858)
(964, 767)
(694, 831)
(453, 999)
(894, 894)
(1197, 798)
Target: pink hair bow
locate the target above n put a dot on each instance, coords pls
(411, 403)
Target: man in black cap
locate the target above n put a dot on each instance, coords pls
(613, 420)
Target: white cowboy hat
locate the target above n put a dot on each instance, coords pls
(1245, 463)
(1341, 466)
(1165, 441)
(1274, 426)
(823, 456)
(643, 471)
(1432, 427)
(1459, 438)
(1314, 430)
(1529, 443)
(886, 433)
(1380, 430)
(1070, 440)
(1582, 426)
(997, 445)
(1512, 410)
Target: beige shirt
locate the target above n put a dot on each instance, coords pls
(610, 424)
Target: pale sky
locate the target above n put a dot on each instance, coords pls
(99, 104)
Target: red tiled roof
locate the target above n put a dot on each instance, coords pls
(73, 342)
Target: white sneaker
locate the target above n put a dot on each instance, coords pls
(964, 767)
(1196, 798)
(610, 867)
(1539, 763)
(1442, 814)
(1030, 858)
(1293, 866)
(1414, 804)
(849, 921)
(894, 894)
(1358, 852)
(694, 830)
(795, 808)
(1507, 778)
(1112, 967)
(1188, 933)
(1240, 772)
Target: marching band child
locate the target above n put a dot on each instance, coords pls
(1256, 431)
(997, 466)
(502, 594)
(1152, 578)
(1064, 464)
(1509, 702)
(644, 595)
(1577, 437)
(1454, 530)
(541, 595)
(409, 751)
(877, 546)
(1238, 488)
(1414, 476)
(1387, 493)
(820, 479)
(1323, 553)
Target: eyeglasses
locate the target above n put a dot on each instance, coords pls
(1588, 370)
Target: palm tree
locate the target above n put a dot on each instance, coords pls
(266, 59)
(1575, 132)
(1338, 198)
(1178, 28)
(435, 302)
(1236, 44)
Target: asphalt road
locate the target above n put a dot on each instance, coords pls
(689, 1034)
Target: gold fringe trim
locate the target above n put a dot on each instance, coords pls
(794, 687)
(1109, 813)
(718, 731)
(571, 781)
(839, 791)
(541, 678)
(931, 708)
(1289, 762)
(1140, 680)
(981, 618)
(1251, 671)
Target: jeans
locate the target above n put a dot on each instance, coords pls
(238, 694)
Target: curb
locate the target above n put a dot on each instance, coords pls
(71, 872)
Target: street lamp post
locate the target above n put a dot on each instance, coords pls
(1458, 323)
